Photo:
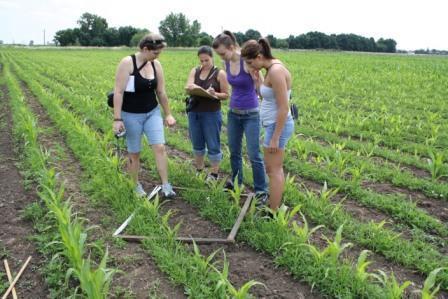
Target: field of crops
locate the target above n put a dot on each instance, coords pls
(367, 185)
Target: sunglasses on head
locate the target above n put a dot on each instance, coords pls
(156, 42)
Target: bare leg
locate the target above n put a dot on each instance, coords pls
(134, 166)
(161, 161)
(274, 170)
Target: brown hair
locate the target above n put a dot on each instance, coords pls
(152, 41)
(225, 38)
(252, 48)
(205, 50)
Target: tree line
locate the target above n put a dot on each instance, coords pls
(178, 31)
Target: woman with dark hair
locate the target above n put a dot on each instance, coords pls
(274, 112)
(243, 117)
(204, 118)
(138, 86)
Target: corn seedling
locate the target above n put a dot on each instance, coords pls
(283, 215)
(429, 290)
(335, 247)
(391, 286)
(361, 266)
(435, 163)
(224, 283)
(236, 192)
(304, 232)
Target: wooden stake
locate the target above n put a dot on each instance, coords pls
(132, 238)
(17, 278)
(240, 218)
(8, 273)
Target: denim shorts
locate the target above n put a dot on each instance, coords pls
(288, 130)
(204, 129)
(137, 124)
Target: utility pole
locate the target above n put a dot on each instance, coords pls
(44, 37)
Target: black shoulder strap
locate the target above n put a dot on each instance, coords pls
(134, 63)
(212, 72)
(154, 68)
(142, 66)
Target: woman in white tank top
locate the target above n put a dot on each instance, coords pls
(274, 113)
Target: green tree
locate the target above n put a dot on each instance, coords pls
(178, 31)
(137, 37)
(65, 37)
(93, 29)
(252, 34)
(125, 34)
(111, 37)
(240, 37)
(282, 43)
(272, 41)
(205, 39)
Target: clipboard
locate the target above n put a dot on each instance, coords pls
(201, 92)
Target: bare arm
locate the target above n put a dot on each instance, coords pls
(257, 76)
(162, 96)
(279, 85)
(190, 81)
(121, 79)
(223, 86)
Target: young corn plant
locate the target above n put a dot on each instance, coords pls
(224, 283)
(303, 232)
(435, 163)
(207, 264)
(326, 194)
(361, 266)
(283, 216)
(429, 290)
(335, 247)
(94, 283)
(391, 286)
(236, 193)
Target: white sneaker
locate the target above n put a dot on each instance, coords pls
(139, 190)
(167, 190)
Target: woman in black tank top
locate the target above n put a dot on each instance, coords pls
(204, 119)
(138, 86)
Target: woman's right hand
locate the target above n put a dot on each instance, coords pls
(118, 126)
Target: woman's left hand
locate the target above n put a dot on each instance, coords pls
(170, 121)
(273, 145)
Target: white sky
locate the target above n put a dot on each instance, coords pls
(413, 24)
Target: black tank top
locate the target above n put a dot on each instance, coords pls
(144, 99)
(206, 104)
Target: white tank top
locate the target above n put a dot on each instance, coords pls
(268, 107)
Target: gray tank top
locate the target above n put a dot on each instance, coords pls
(268, 107)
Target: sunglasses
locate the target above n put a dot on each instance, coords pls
(156, 42)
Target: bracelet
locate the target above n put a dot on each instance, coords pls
(118, 119)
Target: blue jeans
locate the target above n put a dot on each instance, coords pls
(249, 125)
(204, 129)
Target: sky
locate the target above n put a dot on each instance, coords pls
(413, 24)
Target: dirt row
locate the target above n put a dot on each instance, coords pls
(15, 245)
